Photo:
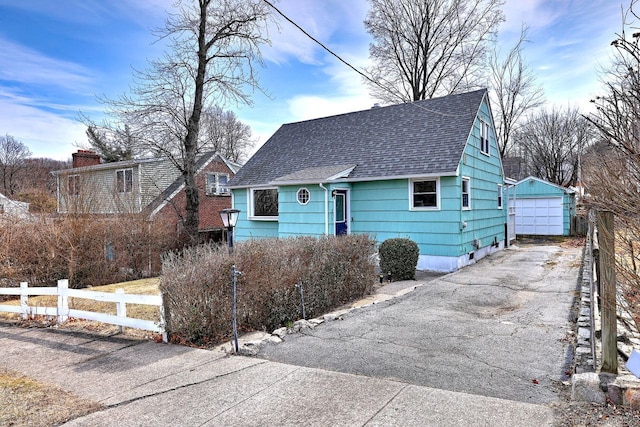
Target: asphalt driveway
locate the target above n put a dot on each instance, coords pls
(498, 328)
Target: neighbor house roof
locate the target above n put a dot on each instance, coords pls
(422, 138)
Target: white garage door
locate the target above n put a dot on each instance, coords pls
(539, 216)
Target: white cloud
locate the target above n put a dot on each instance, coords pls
(47, 134)
(24, 65)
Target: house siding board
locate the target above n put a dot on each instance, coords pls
(295, 219)
(156, 177)
(381, 209)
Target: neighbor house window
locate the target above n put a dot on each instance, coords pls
(424, 194)
(484, 137)
(499, 196)
(264, 203)
(216, 183)
(124, 180)
(303, 196)
(466, 193)
(73, 185)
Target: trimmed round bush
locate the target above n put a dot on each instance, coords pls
(399, 257)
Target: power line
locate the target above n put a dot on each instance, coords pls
(375, 82)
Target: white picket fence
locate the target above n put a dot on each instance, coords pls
(63, 312)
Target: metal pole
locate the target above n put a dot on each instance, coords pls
(299, 285)
(230, 239)
(233, 296)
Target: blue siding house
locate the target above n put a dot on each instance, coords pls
(544, 208)
(428, 170)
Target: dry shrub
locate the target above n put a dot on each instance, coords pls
(197, 283)
(87, 250)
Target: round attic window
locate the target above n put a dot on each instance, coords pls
(303, 196)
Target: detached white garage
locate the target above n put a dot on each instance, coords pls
(543, 208)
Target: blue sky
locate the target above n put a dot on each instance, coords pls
(57, 56)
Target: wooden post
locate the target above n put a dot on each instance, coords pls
(606, 240)
(121, 308)
(24, 300)
(63, 301)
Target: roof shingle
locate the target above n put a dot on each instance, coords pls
(418, 138)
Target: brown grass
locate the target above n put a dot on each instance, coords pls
(26, 402)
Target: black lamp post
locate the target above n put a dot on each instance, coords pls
(229, 219)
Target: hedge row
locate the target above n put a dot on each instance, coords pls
(197, 283)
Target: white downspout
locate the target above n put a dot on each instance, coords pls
(326, 209)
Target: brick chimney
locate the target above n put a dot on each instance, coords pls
(85, 158)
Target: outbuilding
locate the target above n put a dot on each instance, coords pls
(544, 208)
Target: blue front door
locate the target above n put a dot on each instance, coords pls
(342, 214)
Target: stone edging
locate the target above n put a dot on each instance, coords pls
(587, 383)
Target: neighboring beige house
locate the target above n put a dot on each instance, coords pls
(151, 186)
(13, 209)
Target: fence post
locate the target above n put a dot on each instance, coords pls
(606, 240)
(165, 316)
(63, 301)
(121, 308)
(24, 300)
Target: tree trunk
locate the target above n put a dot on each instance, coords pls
(192, 219)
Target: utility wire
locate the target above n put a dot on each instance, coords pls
(375, 82)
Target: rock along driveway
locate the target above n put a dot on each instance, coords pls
(498, 328)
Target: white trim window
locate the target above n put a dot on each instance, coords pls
(73, 185)
(424, 194)
(303, 196)
(500, 195)
(466, 193)
(484, 137)
(263, 204)
(216, 184)
(124, 180)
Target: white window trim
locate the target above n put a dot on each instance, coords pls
(124, 180)
(468, 181)
(424, 208)
(251, 207)
(485, 126)
(500, 196)
(76, 185)
(298, 196)
(218, 190)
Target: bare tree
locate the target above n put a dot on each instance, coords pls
(13, 161)
(213, 46)
(552, 142)
(222, 132)
(514, 90)
(427, 48)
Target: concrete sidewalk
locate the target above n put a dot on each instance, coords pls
(142, 383)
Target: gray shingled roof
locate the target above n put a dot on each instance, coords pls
(413, 139)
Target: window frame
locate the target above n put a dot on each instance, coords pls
(251, 204)
(127, 187)
(467, 206)
(308, 196)
(73, 185)
(500, 196)
(485, 144)
(219, 189)
(411, 186)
